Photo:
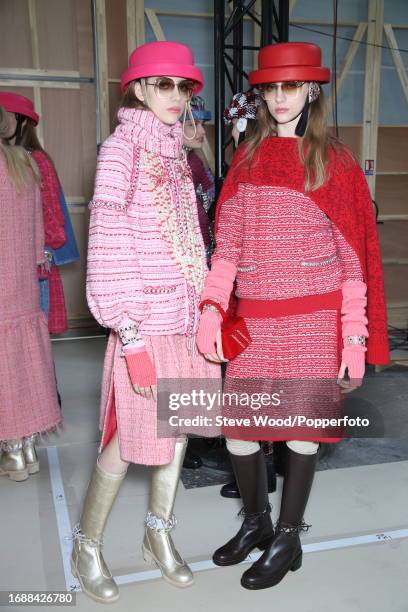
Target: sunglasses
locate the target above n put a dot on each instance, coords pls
(164, 88)
(289, 88)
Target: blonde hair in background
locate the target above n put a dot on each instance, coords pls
(313, 148)
(21, 167)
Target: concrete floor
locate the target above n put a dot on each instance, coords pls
(355, 554)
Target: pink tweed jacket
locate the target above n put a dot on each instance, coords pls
(146, 261)
(146, 268)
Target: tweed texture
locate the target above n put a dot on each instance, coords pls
(28, 399)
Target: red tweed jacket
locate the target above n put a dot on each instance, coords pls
(345, 199)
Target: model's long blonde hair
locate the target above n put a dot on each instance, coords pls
(21, 167)
(313, 148)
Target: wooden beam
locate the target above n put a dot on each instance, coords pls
(35, 49)
(292, 4)
(350, 55)
(372, 86)
(140, 22)
(396, 56)
(38, 84)
(102, 66)
(37, 72)
(135, 23)
(131, 25)
(155, 24)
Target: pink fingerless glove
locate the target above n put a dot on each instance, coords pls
(141, 370)
(353, 356)
(210, 323)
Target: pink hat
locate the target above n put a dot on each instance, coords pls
(14, 103)
(161, 58)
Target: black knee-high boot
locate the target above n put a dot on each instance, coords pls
(285, 552)
(257, 528)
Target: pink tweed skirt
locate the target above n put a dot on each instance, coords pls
(134, 416)
(28, 395)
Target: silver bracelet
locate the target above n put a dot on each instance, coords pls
(355, 340)
(128, 334)
(212, 308)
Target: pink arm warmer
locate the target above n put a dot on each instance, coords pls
(354, 323)
(141, 370)
(218, 287)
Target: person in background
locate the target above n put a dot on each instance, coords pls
(28, 399)
(22, 112)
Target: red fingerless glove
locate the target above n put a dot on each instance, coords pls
(210, 323)
(140, 367)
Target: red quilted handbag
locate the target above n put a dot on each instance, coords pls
(234, 332)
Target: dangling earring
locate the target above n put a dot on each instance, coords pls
(314, 91)
(187, 109)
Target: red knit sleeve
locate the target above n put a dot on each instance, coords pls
(377, 345)
(50, 197)
(230, 186)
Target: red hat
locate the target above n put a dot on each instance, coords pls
(14, 103)
(161, 58)
(292, 61)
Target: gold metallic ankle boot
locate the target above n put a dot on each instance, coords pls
(30, 454)
(87, 562)
(12, 462)
(158, 547)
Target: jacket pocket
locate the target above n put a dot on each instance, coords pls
(319, 262)
(159, 290)
(246, 267)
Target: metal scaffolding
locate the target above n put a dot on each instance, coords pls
(272, 18)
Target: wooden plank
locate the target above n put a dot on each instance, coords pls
(140, 22)
(38, 84)
(102, 64)
(35, 48)
(131, 25)
(155, 24)
(116, 18)
(38, 72)
(292, 4)
(392, 149)
(372, 86)
(135, 12)
(396, 56)
(350, 55)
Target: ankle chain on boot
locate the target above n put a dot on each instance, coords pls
(11, 446)
(79, 535)
(155, 523)
(245, 514)
(30, 440)
(291, 529)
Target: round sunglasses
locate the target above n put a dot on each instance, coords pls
(165, 86)
(289, 88)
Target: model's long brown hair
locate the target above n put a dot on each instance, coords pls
(313, 148)
(29, 138)
(20, 165)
